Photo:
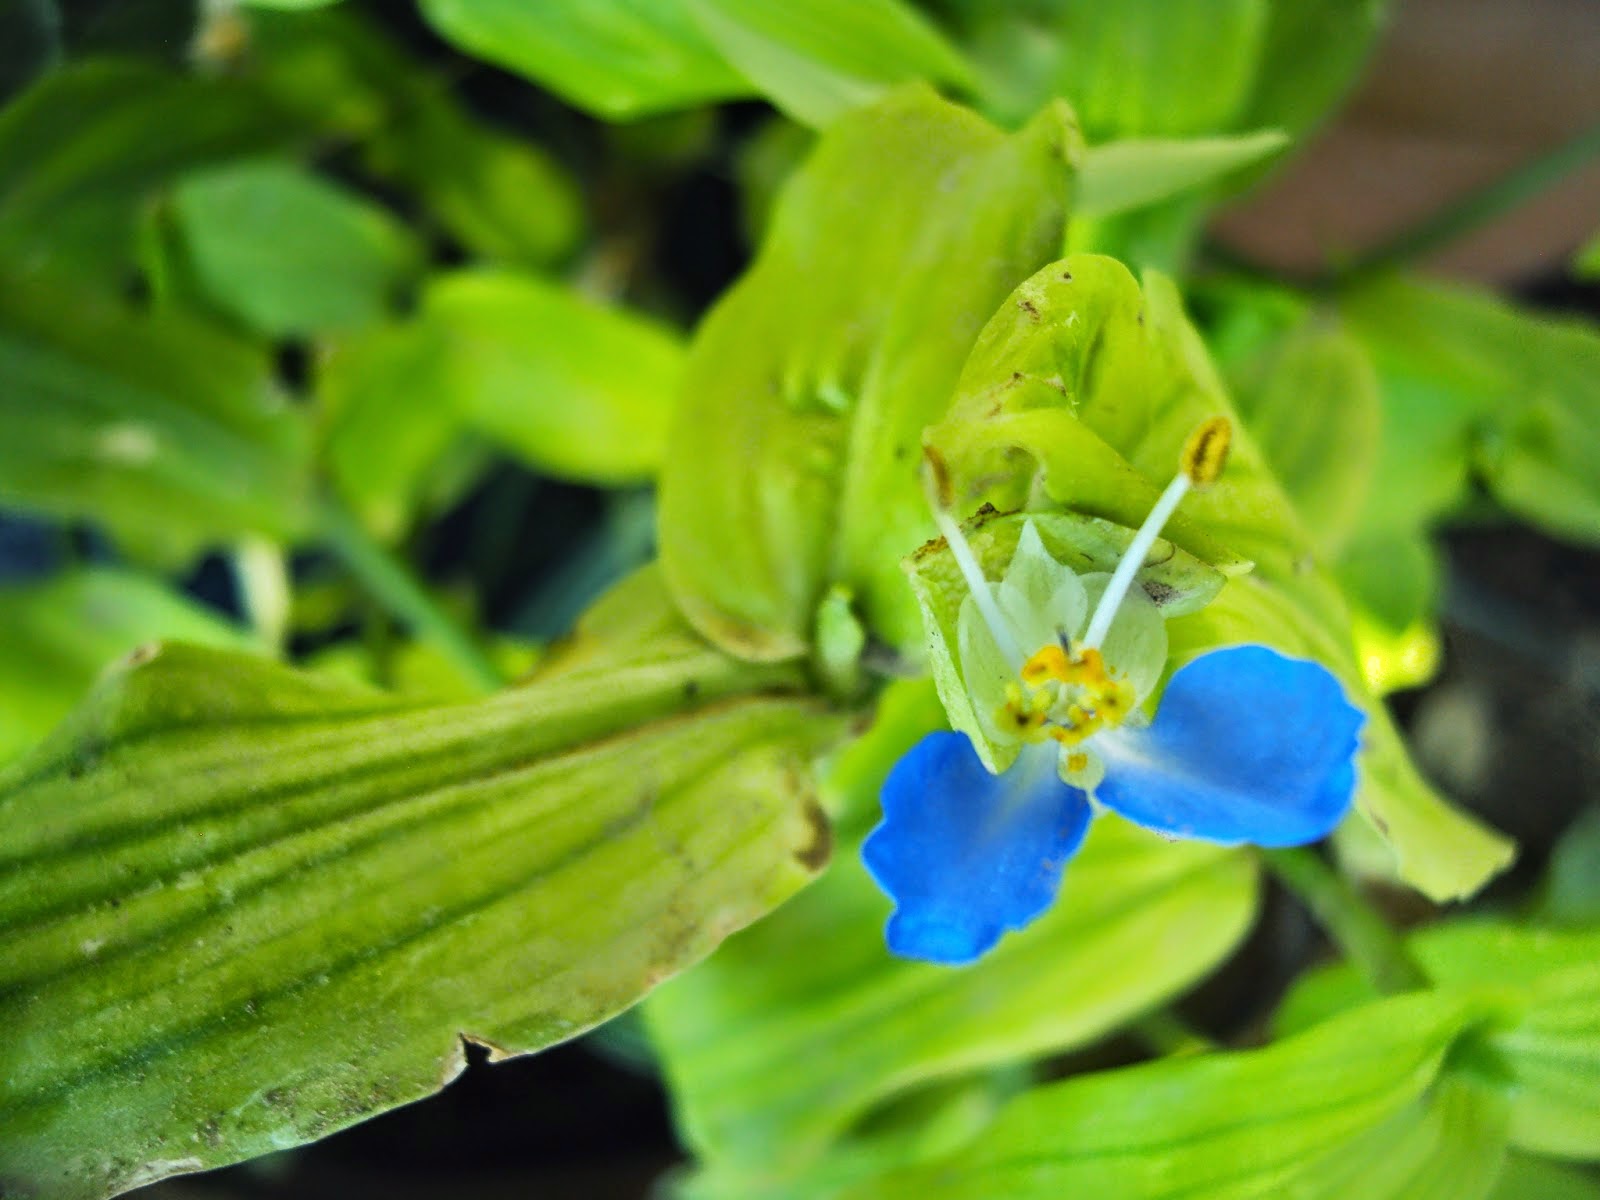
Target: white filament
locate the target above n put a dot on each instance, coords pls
(978, 585)
(1132, 560)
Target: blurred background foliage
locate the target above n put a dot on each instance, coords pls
(349, 335)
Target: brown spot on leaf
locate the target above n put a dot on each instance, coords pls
(814, 855)
(1029, 307)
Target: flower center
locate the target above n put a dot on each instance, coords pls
(1064, 690)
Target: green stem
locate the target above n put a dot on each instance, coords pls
(1366, 938)
(1480, 207)
(1168, 1035)
(393, 585)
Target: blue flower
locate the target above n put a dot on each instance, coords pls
(1247, 744)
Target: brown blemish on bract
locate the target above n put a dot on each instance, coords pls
(142, 655)
(1160, 593)
(814, 855)
(1029, 307)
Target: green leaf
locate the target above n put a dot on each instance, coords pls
(1570, 894)
(84, 149)
(794, 458)
(1082, 391)
(1136, 69)
(1175, 581)
(1311, 55)
(164, 430)
(1299, 1118)
(1472, 384)
(817, 59)
(571, 386)
(771, 1053)
(288, 253)
(290, 5)
(60, 633)
(1586, 263)
(615, 58)
(499, 196)
(1543, 1053)
(1528, 1178)
(244, 907)
(1315, 412)
(1123, 175)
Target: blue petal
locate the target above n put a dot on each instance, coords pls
(966, 855)
(1247, 746)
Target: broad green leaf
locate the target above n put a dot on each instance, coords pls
(85, 148)
(162, 429)
(1527, 1178)
(390, 414)
(498, 196)
(1544, 1053)
(290, 5)
(1570, 894)
(794, 459)
(817, 59)
(571, 386)
(772, 1053)
(60, 633)
(1132, 173)
(1241, 1126)
(244, 907)
(1174, 580)
(1472, 383)
(616, 58)
(1082, 391)
(288, 253)
(1310, 56)
(1137, 69)
(1314, 411)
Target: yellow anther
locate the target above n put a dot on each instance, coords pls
(1206, 451)
(1050, 662)
(1078, 762)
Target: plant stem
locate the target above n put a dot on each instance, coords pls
(1365, 937)
(1169, 1036)
(1480, 207)
(394, 586)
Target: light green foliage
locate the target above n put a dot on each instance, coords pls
(575, 387)
(1132, 173)
(1311, 55)
(1176, 581)
(1543, 1051)
(1471, 383)
(1314, 410)
(572, 387)
(1528, 1178)
(289, 253)
(773, 1051)
(1146, 68)
(84, 149)
(60, 633)
(1085, 388)
(818, 59)
(165, 429)
(1233, 1126)
(260, 905)
(793, 463)
(815, 59)
(616, 58)
(499, 196)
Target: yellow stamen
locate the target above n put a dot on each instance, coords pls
(1206, 452)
